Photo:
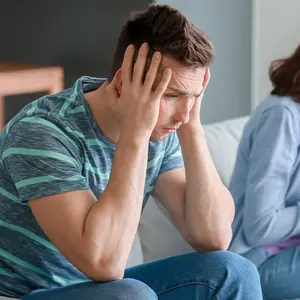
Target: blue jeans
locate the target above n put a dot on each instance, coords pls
(280, 275)
(196, 276)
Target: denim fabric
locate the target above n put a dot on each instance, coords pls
(280, 275)
(195, 276)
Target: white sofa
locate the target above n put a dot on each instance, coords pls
(157, 237)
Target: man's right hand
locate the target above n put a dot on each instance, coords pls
(97, 236)
(137, 104)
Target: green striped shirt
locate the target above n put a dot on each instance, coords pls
(52, 146)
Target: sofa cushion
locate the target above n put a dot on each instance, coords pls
(159, 237)
(223, 139)
(136, 256)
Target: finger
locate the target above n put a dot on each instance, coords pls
(152, 72)
(112, 87)
(139, 66)
(127, 64)
(162, 86)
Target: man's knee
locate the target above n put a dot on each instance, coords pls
(228, 264)
(131, 289)
(237, 266)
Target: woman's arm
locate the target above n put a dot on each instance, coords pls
(273, 153)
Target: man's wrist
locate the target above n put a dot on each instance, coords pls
(136, 137)
(190, 129)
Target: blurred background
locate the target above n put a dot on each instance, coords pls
(80, 36)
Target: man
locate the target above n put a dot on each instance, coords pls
(77, 168)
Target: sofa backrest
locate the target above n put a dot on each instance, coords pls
(223, 140)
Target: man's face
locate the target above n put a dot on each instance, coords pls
(175, 106)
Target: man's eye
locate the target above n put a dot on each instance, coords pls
(170, 96)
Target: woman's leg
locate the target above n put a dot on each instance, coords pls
(126, 289)
(280, 275)
(198, 276)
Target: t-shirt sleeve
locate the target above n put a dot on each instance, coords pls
(173, 156)
(42, 159)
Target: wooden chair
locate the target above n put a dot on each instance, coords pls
(16, 78)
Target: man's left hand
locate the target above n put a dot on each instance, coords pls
(194, 121)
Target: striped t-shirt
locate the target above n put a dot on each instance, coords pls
(54, 145)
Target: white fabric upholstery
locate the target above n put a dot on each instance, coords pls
(157, 237)
(223, 139)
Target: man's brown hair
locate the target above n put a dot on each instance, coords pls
(167, 30)
(285, 76)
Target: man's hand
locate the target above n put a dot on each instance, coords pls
(194, 121)
(137, 104)
(97, 236)
(206, 197)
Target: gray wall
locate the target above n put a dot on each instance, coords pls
(228, 25)
(273, 39)
(79, 35)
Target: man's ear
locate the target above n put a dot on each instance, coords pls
(118, 77)
(206, 77)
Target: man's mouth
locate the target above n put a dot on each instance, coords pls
(171, 129)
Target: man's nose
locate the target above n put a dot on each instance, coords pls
(183, 112)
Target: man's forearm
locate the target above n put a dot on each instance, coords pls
(209, 208)
(112, 222)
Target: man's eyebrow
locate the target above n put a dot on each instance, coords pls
(161, 69)
(183, 93)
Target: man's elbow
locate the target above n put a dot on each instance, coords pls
(107, 276)
(104, 272)
(214, 243)
(222, 242)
